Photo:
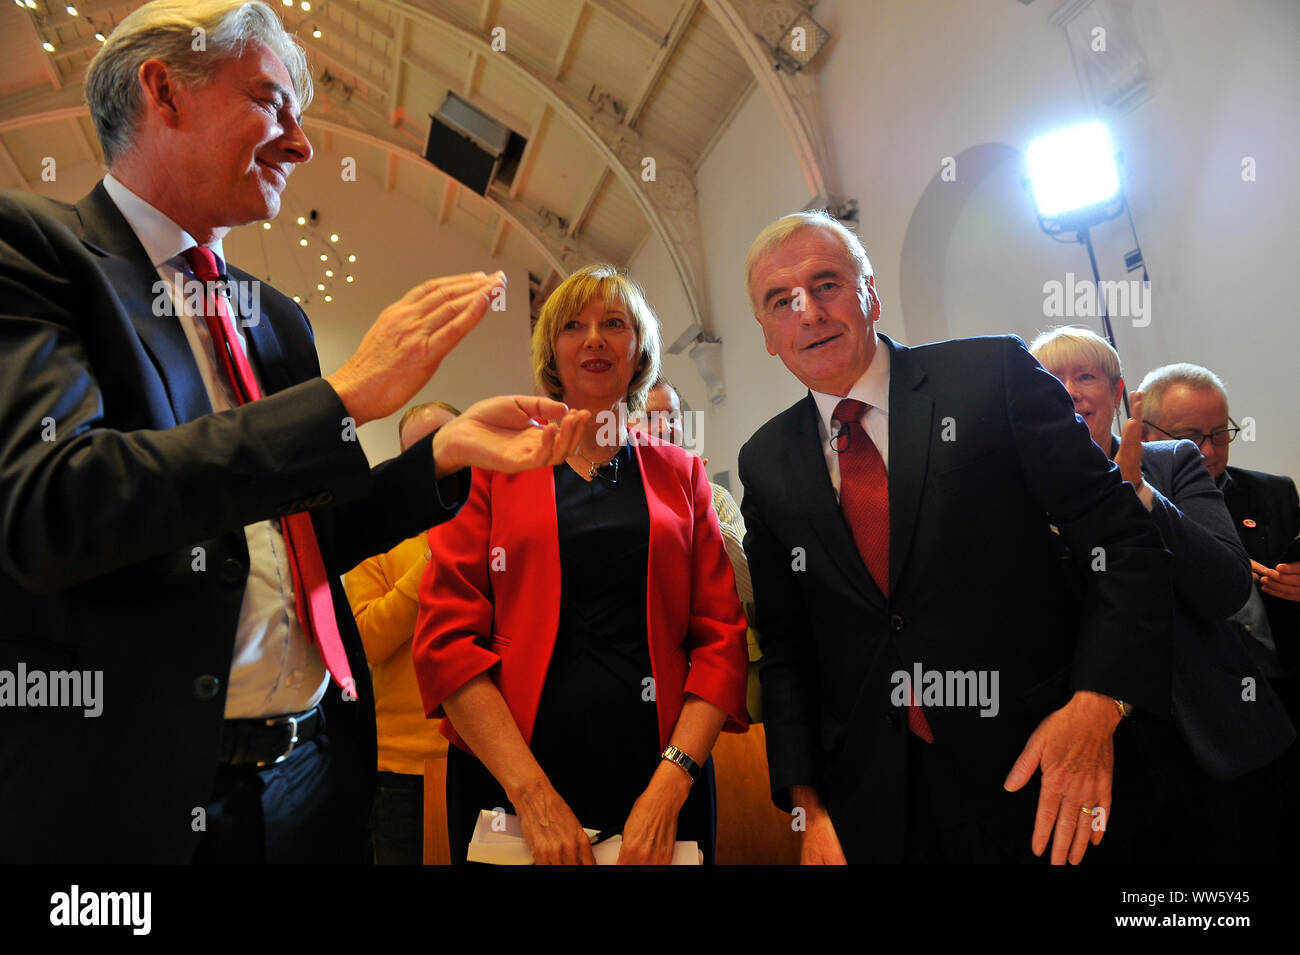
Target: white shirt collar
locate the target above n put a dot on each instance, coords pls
(162, 238)
(872, 388)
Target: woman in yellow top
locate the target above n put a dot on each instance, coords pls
(384, 592)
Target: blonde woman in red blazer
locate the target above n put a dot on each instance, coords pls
(579, 628)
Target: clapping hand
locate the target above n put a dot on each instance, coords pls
(1129, 455)
(1281, 581)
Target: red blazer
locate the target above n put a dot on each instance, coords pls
(490, 596)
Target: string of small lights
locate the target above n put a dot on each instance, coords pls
(331, 266)
(41, 15)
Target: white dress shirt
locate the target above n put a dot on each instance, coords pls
(275, 669)
(872, 389)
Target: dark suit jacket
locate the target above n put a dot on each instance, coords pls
(1228, 735)
(1271, 502)
(974, 584)
(100, 530)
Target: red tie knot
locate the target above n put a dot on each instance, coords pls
(203, 262)
(849, 411)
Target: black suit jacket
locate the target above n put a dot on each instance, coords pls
(121, 541)
(984, 453)
(1229, 731)
(1271, 502)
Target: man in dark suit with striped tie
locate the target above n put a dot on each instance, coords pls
(924, 654)
(181, 488)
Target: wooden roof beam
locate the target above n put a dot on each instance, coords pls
(683, 19)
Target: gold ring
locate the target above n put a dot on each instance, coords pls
(1087, 810)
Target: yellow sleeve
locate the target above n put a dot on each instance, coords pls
(384, 594)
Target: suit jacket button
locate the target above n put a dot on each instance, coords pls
(891, 718)
(896, 622)
(206, 687)
(232, 571)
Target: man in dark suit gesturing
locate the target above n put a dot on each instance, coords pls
(917, 627)
(170, 539)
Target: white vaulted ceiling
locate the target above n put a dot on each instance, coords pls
(588, 83)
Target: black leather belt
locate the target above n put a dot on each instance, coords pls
(268, 741)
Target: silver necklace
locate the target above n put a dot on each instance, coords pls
(594, 471)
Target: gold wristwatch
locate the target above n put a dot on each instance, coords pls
(1125, 709)
(678, 758)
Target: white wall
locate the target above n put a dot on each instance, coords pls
(917, 81)
(750, 178)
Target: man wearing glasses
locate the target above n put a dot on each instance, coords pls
(1187, 401)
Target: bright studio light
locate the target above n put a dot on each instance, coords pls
(1072, 168)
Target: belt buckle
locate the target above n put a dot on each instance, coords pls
(292, 721)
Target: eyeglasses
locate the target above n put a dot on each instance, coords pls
(1219, 438)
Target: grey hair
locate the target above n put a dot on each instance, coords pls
(164, 30)
(777, 232)
(1157, 382)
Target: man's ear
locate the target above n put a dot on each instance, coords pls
(159, 87)
(873, 310)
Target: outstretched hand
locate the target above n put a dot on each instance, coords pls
(1074, 747)
(510, 433)
(409, 340)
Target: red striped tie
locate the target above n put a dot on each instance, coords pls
(864, 498)
(311, 588)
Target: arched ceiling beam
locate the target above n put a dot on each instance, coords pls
(668, 202)
(793, 96)
(683, 19)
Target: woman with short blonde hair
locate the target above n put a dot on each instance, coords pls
(608, 284)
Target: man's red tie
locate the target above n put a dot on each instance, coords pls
(864, 498)
(311, 588)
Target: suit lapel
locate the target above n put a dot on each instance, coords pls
(911, 414)
(810, 484)
(265, 350)
(128, 269)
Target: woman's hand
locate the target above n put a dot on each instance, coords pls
(551, 830)
(650, 833)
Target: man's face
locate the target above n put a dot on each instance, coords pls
(663, 415)
(816, 311)
(238, 138)
(1184, 410)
